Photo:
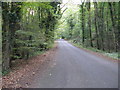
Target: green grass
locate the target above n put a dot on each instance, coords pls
(43, 51)
(3, 73)
(38, 53)
(113, 55)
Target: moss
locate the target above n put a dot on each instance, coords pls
(5, 72)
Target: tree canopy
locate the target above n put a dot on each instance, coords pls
(28, 27)
(92, 24)
(32, 27)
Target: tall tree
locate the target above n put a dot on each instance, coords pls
(83, 29)
(5, 36)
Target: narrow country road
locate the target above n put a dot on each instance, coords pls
(76, 68)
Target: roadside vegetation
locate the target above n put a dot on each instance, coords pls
(113, 55)
(27, 30)
(92, 25)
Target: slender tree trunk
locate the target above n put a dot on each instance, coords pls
(96, 28)
(5, 36)
(102, 26)
(108, 37)
(89, 22)
(14, 25)
(113, 25)
(83, 31)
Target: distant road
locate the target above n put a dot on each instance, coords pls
(75, 68)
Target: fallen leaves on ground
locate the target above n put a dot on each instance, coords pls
(25, 69)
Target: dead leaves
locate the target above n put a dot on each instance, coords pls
(22, 76)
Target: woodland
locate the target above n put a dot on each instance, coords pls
(29, 28)
(93, 25)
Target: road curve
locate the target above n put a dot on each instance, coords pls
(75, 68)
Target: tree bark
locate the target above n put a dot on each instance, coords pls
(89, 22)
(113, 25)
(5, 36)
(83, 29)
(96, 27)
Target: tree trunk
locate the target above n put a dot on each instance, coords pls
(113, 25)
(5, 36)
(89, 22)
(96, 28)
(83, 31)
(102, 26)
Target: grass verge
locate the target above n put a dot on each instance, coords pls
(113, 55)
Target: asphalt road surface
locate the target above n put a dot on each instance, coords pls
(75, 68)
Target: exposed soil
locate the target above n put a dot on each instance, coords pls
(24, 70)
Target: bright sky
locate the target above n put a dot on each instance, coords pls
(72, 1)
(70, 4)
(79, 1)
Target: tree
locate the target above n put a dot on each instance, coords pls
(27, 28)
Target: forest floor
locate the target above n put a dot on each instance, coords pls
(23, 71)
(64, 66)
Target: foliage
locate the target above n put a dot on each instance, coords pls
(92, 24)
(28, 28)
(113, 55)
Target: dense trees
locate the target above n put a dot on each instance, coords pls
(98, 25)
(27, 28)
